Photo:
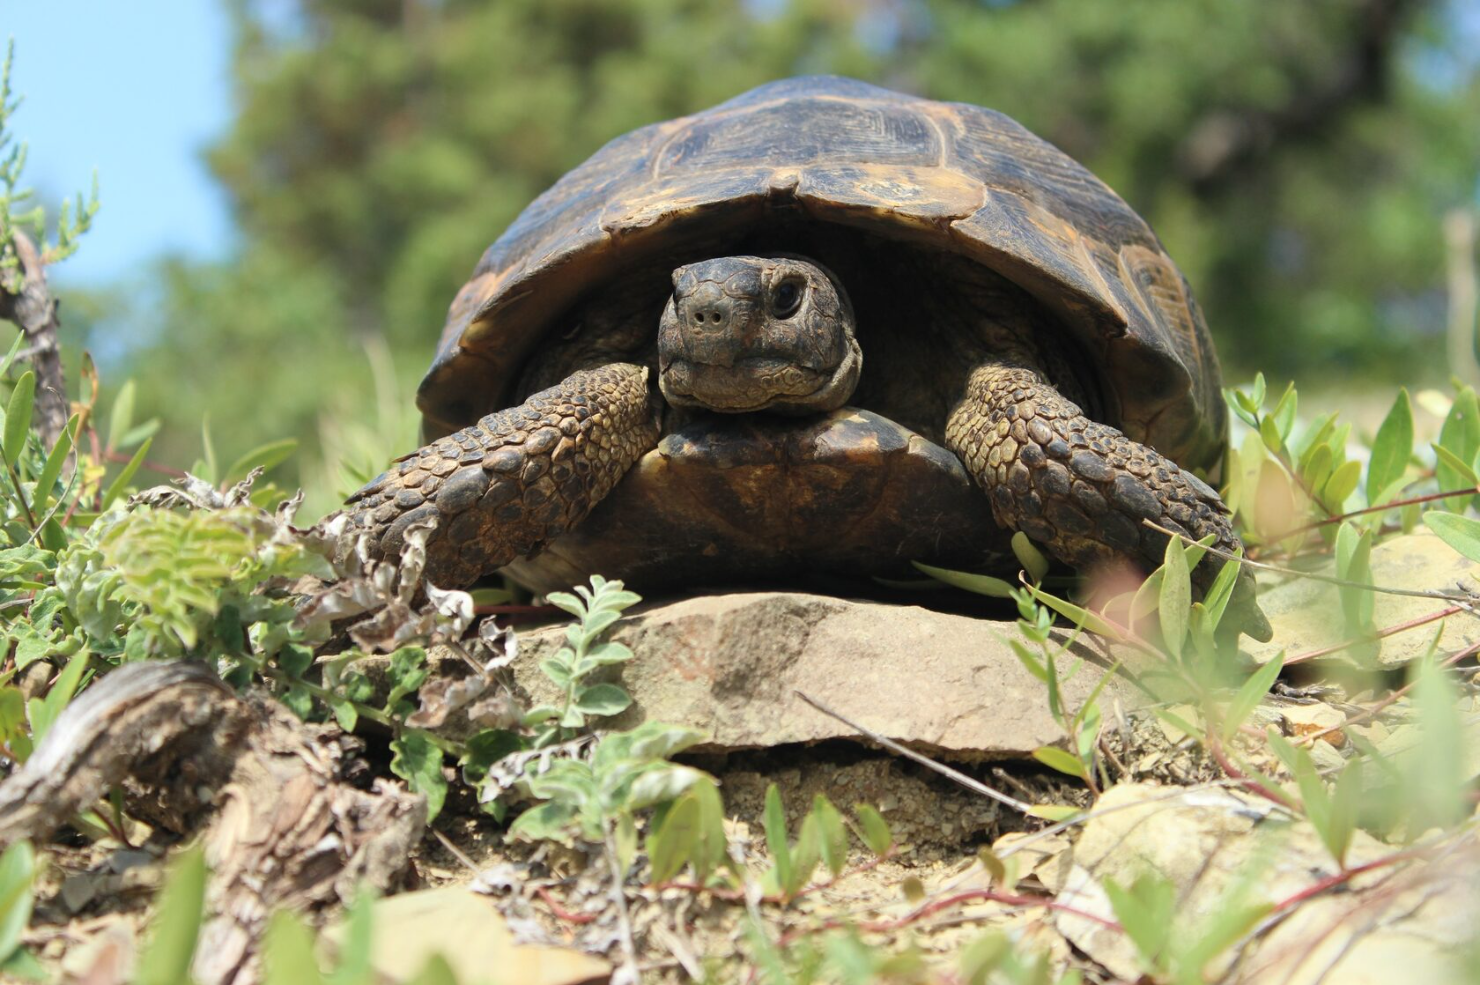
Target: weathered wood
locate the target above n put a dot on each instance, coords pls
(283, 826)
(34, 311)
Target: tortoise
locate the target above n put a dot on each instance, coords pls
(821, 327)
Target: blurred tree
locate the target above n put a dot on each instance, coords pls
(1295, 157)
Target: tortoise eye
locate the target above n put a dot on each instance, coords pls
(787, 299)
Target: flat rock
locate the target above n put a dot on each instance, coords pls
(1306, 614)
(1220, 848)
(465, 930)
(733, 665)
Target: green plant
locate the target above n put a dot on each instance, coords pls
(584, 654)
(17, 898)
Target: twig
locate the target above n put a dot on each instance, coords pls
(1380, 634)
(120, 458)
(1377, 708)
(946, 902)
(1380, 508)
(561, 913)
(944, 770)
(1464, 602)
(1215, 749)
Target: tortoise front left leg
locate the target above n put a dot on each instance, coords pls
(503, 488)
(1082, 488)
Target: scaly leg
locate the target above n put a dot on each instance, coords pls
(1082, 488)
(504, 487)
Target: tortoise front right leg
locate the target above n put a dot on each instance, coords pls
(503, 488)
(1081, 488)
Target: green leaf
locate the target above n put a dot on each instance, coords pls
(1269, 433)
(13, 723)
(1053, 812)
(833, 835)
(1341, 485)
(345, 713)
(121, 416)
(15, 348)
(1087, 728)
(17, 873)
(774, 821)
(1221, 591)
(1030, 557)
(1058, 759)
(603, 699)
(982, 956)
(608, 653)
(1460, 471)
(672, 844)
(18, 416)
(1436, 774)
(550, 821)
(44, 711)
(355, 950)
(418, 761)
(568, 602)
(121, 481)
(1145, 911)
(1284, 412)
(1176, 597)
(437, 971)
(1460, 437)
(287, 952)
(653, 783)
(875, 830)
(980, 584)
(1353, 564)
(1392, 447)
(1460, 532)
(1346, 801)
(804, 856)
(1316, 469)
(541, 713)
(294, 659)
(557, 670)
(1081, 617)
(266, 457)
(1250, 694)
(176, 925)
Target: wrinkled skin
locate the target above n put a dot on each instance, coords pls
(776, 335)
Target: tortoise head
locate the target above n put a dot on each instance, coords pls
(748, 333)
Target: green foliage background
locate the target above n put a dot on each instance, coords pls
(1296, 157)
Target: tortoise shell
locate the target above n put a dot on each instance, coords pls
(948, 176)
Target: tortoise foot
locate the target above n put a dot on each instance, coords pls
(502, 488)
(1083, 489)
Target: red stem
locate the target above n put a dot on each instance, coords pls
(1395, 504)
(560, 911)
(1380, 634)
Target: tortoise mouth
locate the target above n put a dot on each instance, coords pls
(757, 497)
(747, 385)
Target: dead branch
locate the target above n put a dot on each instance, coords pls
(285, 827)
(34, 311)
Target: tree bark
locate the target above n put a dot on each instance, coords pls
(34, 311)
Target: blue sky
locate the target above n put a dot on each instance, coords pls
(136, 89)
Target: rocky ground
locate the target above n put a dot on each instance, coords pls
(828, 696)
